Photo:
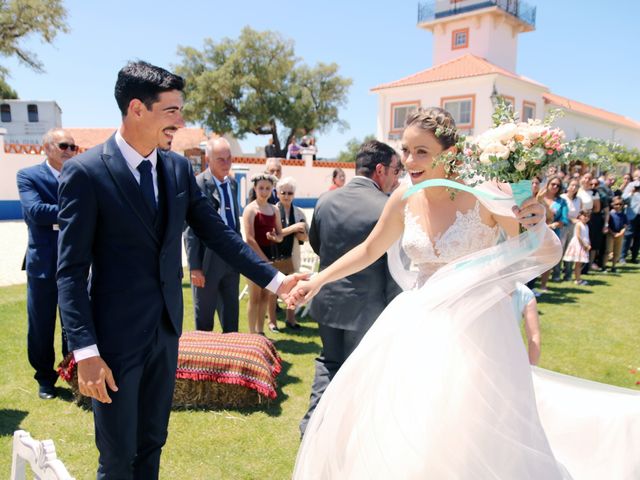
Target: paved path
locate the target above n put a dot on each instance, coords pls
(13, 244)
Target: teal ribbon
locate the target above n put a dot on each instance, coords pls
(441, 182)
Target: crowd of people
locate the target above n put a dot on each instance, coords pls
(597, 220)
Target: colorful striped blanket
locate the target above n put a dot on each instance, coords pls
(235, 358)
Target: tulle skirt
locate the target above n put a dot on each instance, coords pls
(440, 388)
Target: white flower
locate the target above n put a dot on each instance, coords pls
(496, 150)
(502, 133)
(521, 165)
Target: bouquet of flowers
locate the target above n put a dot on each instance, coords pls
(511, 152)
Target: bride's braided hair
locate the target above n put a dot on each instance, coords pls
(436, 120)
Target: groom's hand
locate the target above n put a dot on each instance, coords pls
(93, 378)
(288, 283)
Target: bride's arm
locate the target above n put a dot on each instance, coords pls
(387, 230)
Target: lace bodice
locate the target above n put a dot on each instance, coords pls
(466, 235)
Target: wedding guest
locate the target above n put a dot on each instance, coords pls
(591, 203)
(557, 220)
(294, 233)
(574, 205)
(311, 148)
(272, 166)
(337, 178)
(632, 233)
(38, 190)
(598, 226)
(262, 230)
(626, 178)
(578, 250)
(270, 149)
(617, 224)
(343, 219)
(525, 306)
(294, 150)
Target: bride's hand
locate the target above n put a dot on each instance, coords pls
(303, 292)
(530, 213)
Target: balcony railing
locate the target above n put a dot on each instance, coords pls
(435, 9)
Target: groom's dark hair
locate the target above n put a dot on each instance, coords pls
(145, 82)
(370, 154)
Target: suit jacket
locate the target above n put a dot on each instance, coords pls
(136, 273)
(198, 255)
(38, 191)
(343, 219)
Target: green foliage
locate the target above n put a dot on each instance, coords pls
(352, 147)
(20, 18)
(627, 155)
(596, 152)
(6, 92)
(256, 84)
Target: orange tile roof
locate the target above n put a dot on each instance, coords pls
(462, 67)
(550, 98)
(89, 137)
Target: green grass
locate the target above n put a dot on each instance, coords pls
(590, 332)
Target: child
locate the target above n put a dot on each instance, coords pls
(617, 225)
(579, 246)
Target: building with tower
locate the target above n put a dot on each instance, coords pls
(475, 49)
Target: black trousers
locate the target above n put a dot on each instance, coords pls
(42, 304)
(131, 431)
(337, 345)
(219, 293)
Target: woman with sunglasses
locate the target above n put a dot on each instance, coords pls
(550, 197)
(294, 233)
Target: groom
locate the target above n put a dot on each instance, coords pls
(122, 208)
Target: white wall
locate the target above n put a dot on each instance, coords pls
(21, 131)
(578, 125)
(491, 37)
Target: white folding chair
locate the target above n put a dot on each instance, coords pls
(41, 456)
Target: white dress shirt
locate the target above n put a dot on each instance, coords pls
(223, 205)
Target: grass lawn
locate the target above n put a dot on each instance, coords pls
(589, 332)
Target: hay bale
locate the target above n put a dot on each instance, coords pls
(215, 371)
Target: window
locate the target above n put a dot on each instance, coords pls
(528, 111)
(461, 109)
(400, 112)
(509, 100)
(32, 113)
(5, 112)
(460, 39)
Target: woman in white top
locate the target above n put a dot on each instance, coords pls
(574, 204)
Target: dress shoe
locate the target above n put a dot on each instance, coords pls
(46, 392)
(293, 326)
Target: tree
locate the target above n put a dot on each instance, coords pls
(6, 91)
(20, 18)
(257, 85)
(352, 147)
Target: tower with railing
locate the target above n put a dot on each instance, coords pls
(486, 28)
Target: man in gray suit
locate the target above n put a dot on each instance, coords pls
(214, 282)
(342, 219)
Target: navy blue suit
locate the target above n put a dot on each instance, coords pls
(38, 190)
(133, 306)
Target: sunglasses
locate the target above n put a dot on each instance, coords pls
(286, 193)
(71, 146)
(396, 170)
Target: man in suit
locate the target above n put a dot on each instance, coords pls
(123, 205)
(38, 189)
(214, 282)
(342, 219)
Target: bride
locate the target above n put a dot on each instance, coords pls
(440, 387)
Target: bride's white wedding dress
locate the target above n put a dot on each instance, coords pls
(441, 388)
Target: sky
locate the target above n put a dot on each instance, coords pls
(581, 49)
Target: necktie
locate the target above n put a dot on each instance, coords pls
(228, 214)
(146, 184)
